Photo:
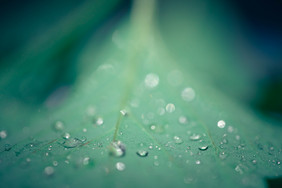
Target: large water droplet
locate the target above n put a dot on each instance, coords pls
(151, 80)
(72, 143)
(142, 153)
(188, 94)
(221, 124)
(170, 108)
(195, 137)
(117, 149)
(49, 171)
(3, 134)
(120, 166)
(203, 148)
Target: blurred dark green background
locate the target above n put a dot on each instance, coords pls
(40, 41)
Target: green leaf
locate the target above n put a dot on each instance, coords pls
(133, 90)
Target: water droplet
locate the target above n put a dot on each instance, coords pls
(117, 149)
(3, 134)
(66, 136)
(84, 130)
(55, 163)
(177, 140)
(182, 120)
(161, 111)
(221, 124)
(222, 155)
(254, 162)
(150, 147)
(124, 112)
(157, 128)
(151, 80)
(203, 148)
(142, 153)
(72, 143)
(188, 94)
(99, 121)
(58, 126)
(90, 111)
(85, 160)
(198, 162)
(230, 129)
(170, 107)
(195, 137)
(49, 171)
(239, 169)
(156, 163)
(120, 166)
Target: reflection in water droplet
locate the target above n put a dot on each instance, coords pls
(203, 148)
(151, 80)
(177, 140)
(195, 137)
(3, 134)
(72, 143)
(49, 171)
(170, 108)
(142, 153)
(188, 94)
(58, 126)
(221, 124)
(117, 149)
(120, 166)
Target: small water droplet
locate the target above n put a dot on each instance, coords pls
(120, 166)
(203, 148)
(85, 160)
(72, 143)
(90, 111)
(99, 121)
(177, 140)
(151, 80)
(221, 124)
(188, 94)
(84, 130)
(230, 129)
(142, 153)
(156, 163)
(3, 134)
(182, 120)
(117, 149)
(159, 129)
(254, 162)
(161, 111)
(195, 137)
(170, 108)
(55, 163)
(222, 155)
(124, 112)
(239, 169)
(66, 135)
(58, 126)
(49, 171)
(150, 147)
(198, 162)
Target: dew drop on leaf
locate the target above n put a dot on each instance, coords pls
(120, 166)
(188, 94)
(198, 162)
(58, 126)
(117, 149)
(195, 137)
(151, 80)
(124, 112)
(142, 153)
(99, 121)
(203, 148)
(182, 120)
(177, 140)
(66, 135)
(221, 124)
(49, 171)
(3, 134)
(170, 108)
(72, 143)
(55, 163)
